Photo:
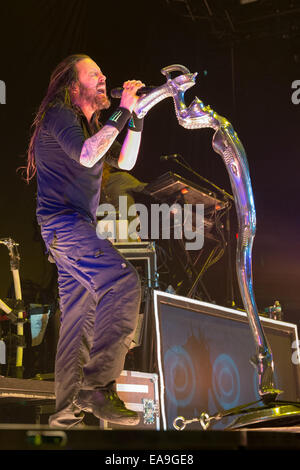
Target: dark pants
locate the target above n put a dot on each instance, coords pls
(99, 300)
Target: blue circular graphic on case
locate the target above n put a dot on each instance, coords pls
(178, 363)
(226, 381)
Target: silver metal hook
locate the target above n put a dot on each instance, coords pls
(166, 71)
(176, 424)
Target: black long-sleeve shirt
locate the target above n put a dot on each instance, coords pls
(64, 185)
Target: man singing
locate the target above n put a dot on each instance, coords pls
(99, 290)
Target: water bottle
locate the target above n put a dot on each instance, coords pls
(275, 311)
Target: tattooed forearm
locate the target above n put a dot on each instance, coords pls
(96, 146)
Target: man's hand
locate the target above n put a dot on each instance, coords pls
(96, 146)
(129, 97)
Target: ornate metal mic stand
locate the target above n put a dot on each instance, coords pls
(226, 143)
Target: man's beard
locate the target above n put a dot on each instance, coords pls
(97, 100)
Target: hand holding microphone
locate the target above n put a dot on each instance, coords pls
(129, 97)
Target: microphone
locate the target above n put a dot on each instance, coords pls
(172, 156)
(117, 92)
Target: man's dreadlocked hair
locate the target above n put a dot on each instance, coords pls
(64, 75)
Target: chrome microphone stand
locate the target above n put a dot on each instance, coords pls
(226, 143)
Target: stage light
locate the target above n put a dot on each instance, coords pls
(244, 2)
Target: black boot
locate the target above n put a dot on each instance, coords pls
(107, 405)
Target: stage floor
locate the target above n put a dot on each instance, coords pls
(26, 404)
(34, 437)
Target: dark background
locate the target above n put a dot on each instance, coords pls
(247, 57)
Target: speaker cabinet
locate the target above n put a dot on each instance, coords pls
(203, 357)
(143, 257)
